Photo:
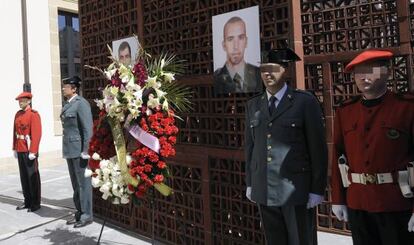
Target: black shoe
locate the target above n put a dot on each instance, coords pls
(82, 223)
(22, 206)
(33, 209)
(72, 221)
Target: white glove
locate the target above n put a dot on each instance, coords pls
(32, 156)
(341, 212)
(85, 155)
(249, 193)
(411, 224)
(15, 154)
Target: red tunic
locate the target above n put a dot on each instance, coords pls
(377, 139)
(27, 122)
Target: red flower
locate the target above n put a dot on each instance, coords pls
(161, 165)
(159, 178)
(139, 194)
(147, 168)
(172, 139)
(131, 187)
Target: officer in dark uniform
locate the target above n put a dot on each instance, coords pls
(76, 119)
(375, 132)
(26, 138)
(286, 155)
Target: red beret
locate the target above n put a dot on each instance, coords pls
(369, 55)
(24, 95)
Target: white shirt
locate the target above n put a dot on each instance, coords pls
(69, 100)
(278, 95)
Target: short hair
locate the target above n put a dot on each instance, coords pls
(232, 20)
(123, 46)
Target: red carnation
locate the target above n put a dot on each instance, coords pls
(161, 165)
(159, 178)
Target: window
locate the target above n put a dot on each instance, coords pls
(69, 44)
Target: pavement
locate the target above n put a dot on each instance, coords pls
(48, 225)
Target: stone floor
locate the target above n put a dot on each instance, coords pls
(47, 226)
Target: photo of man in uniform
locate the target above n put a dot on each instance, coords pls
(236, 75)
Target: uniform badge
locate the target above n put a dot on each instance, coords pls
(393, 134)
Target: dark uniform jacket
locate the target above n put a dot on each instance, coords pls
(76, 119)
(286, 153)
(223, 83)
(27, 122)
(376, 139)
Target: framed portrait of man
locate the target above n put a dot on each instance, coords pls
(236, 51)
(125, 50)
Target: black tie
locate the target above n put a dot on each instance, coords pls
(237, 79)
(272, 105)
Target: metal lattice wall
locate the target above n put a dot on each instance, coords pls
(209, 206)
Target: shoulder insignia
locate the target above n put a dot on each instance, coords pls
(350, 101)
(34, 111)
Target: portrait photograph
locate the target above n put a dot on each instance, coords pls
(125, 50)
(236, 51)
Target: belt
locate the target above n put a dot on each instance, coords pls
(367, 179)
(20, 137)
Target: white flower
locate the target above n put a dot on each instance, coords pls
(168, 76)
(96, 156)
(160, 93)
(165, 105)
(96, 182)
(88, 173)
(128, 159)
(138, 94)
(153, 102)
(124, 199)
(99, 104)
(105, 196)
(103, 164)
(109, 73)
(106, 172)
(152, 83)
(115, 201)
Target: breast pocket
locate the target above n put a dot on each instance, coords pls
(393, 132)
(292, 129)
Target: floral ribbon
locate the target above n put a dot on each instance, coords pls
(145, 138)
(120, 148)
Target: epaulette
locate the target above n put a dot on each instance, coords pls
(257, 95)
(303, 92)
(350, 101)
(405, 96)
(34, 111)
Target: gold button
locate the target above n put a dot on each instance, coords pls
(269, 147)
(269, 135)
(269, 159)
(270, 124)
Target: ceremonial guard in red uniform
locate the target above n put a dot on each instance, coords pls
(373, 148)
(26, 138)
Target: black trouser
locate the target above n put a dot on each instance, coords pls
(289, 225)
(384, 228)
(30, 179)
